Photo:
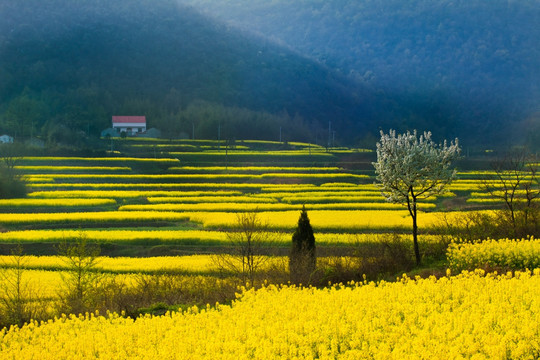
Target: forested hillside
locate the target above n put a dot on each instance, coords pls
(68, 66)
(472, 64)
(467, 69)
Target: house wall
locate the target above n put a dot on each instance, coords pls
(130, 128)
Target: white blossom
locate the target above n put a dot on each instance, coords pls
(413, 168)
(409, 169)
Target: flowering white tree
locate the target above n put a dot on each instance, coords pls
(410, 169)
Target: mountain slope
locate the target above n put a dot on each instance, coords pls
(472, 63)
(80, 62)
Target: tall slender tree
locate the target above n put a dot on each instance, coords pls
(302, 260)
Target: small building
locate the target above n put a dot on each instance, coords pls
(131, 125)
(6, 139)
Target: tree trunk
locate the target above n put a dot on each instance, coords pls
(415, 240)
(411, 205)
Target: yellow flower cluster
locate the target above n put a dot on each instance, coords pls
(191, 264)
(506, 253)
(324, 220)
(260, 154)
(166, 177)
(72, 168)
(61, 202)
(134, 236)
(207, 198)
(35, 284)
(196, 177)
(477, 200)
(327, 187)
(49, 159)
(93, 194)
(92, 217)
(468, 316)
(255, 169)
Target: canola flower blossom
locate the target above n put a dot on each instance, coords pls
(93, 194)
(169, 264)
(52, 159)
(260, 206)
(71, 168)
(471, 315)
(505, 253)
(323, 220)
(254, 169)
(60, 202)
(91, 217)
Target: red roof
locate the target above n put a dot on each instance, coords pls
(129, 119)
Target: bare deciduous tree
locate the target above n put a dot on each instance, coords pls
(516, 184)
(249, 247)
(16, 296)
(82, 278)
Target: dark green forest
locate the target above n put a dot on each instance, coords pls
(464, 67)
(467, 69)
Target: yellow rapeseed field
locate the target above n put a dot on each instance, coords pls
(206, 198)
(61, 202)
(52, 159)
(504, 253)
(255, 169)
(468, 316)
(91, 217)
(125, 194)
(260, 206)
(71, 168)
(181, 236)
(325, 220)
(192, 263)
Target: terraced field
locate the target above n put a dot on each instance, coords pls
(197, 194)
(165, 218)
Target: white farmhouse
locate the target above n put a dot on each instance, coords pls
(131, 125)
